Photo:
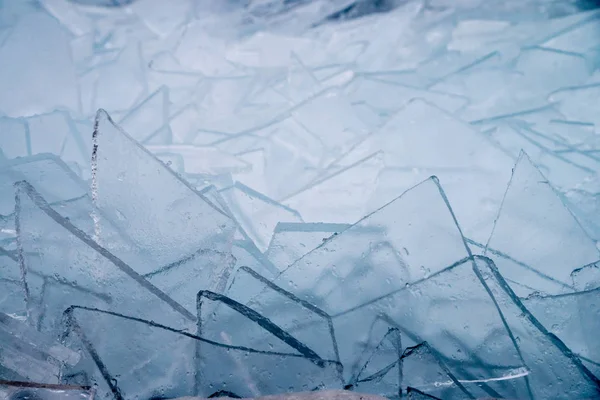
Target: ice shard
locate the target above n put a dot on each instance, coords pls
(29, 355)
(309, 324)
(382, 252)
(571, 317)
(313, 371)
(380, 371)
(179, 226)
(291, 241)
(422, 369)
(50, 244)
(545, 224)
(256, 213)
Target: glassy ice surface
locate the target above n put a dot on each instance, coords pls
(249, 198)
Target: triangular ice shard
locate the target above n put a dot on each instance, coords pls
(422, 369)
(222, 319)
(309, 324)
(424, 311)
(177, 221)
(50, 244)
(381, 372)
(545, 227)
(572, 318)
(543, 353)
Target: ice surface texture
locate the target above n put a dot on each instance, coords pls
(249, 198)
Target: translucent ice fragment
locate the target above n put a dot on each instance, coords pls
(248, 255)
(546, 70)
(222, 319)
(69, 16)
(37, 73)
(388, 97)
(184, 126)
(575, 102)
(329, 117)
(427, 310)
(133, 350)
(423, 370)
(381, 372)
(301, 83)
(544, 354)
(58, 134)
(254, 178)
(351, 188)
(143, 121)
(556, 165)
(473, 34)
(471, 168)
(412, 237)
(12, 292)
(200, 160)
(577, 38)
(14, 138)
(43, 172)
(29, 354)
(586, 277)
(50, 244)
(545, 226)
(176, 222)
(572, 318)
(291, 241)
(119, 85)
(493, 93)
(302, 320)
(257, 213)
(205, 269)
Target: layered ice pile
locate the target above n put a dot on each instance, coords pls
(256, 197)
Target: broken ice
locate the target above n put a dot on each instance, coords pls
(399, 198)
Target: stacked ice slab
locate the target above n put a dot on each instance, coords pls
(225, 199)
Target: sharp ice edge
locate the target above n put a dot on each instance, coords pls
(377, 196)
